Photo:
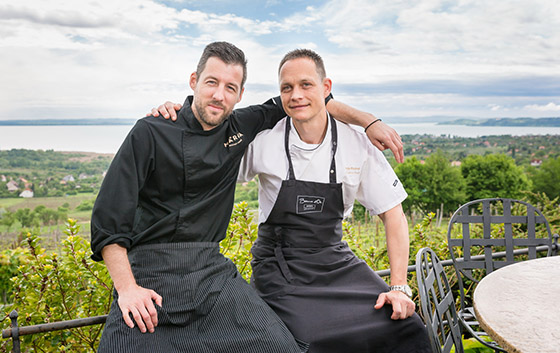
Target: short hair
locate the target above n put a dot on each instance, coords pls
(305, 53)
(228, 53)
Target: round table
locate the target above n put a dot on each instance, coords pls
(518, 305)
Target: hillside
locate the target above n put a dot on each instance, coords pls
(549, 122)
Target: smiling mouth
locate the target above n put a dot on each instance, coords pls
(214, 106)
(299, 106)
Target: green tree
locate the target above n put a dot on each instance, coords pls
(493, 175)
(547, 178)
(62, 213)
(431, 184)
(8, 219)
(52, 216)
(358, 212)
(43, 213)
(412, 175)
(444, 184)
(25, 217)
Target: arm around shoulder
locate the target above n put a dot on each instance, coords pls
(380, 134)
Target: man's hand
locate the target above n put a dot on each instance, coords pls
(139, 302)
(383, 136)
(167, 110)
(403, 307)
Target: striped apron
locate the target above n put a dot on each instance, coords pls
(207, 306)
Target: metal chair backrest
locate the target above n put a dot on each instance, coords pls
(493, 226)
(437, 303)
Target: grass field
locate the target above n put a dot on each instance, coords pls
(13, 204)
(51, 234)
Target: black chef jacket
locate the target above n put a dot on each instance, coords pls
(173, 181)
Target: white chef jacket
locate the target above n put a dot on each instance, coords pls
(363, 169)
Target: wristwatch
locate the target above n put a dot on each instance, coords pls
(402, 288)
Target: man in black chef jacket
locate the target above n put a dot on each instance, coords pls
(159, 236)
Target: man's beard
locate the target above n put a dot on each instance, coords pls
(211, 120)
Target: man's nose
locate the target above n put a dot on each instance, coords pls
(297, 93)
(219, 93)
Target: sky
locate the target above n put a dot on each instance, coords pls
(393, 58)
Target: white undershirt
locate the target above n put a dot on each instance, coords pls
(363, 169)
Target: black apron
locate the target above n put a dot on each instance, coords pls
(324, 294)
(207, 306)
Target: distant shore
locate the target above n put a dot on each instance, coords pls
(67, 122)
(536, 122)
(543, 122)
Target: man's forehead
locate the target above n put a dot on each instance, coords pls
(217, 68)
(298, 70)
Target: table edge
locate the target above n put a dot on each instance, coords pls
(493, 334)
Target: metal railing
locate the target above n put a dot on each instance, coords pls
(15, 331)
(496, 255)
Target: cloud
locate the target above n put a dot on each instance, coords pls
(452, 35)
(118, 58)
(550, 107)
(66, 18)
(209, 22)
(58, 24)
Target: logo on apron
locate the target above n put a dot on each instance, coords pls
(309, 204)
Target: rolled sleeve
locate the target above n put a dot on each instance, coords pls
(105, 238)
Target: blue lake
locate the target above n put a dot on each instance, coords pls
(107, 139)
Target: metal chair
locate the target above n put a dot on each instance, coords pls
(491, 229)
(437, 303)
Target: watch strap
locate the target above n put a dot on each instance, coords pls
(402, 288)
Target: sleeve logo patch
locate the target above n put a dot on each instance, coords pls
(395, 182)
(309, 204)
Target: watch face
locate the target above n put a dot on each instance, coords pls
(407, 291)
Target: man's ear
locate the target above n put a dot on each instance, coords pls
(327, 85)
(192, 80)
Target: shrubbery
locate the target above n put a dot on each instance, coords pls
(10, 260)
(56, 286)
(48, 286)
(240, 236)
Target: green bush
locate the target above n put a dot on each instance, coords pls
(240, 236)
(372, 247)
(66, 284)
(10, 260)
(58, 286)
(86, 205)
